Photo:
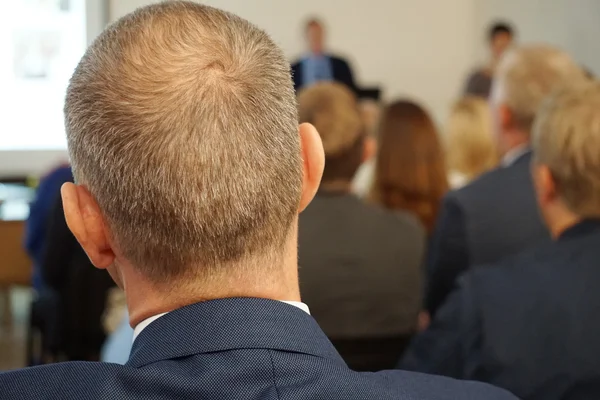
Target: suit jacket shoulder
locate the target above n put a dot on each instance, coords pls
(243, 349)
(500, 213)
(537, 312)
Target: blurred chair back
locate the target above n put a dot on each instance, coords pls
(372, 354)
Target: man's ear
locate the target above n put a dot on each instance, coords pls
(545, 184)
(370, 149)
(506, 118)
(313, 163)
(87, 224)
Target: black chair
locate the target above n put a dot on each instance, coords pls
(43, 339)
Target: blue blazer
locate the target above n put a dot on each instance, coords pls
(233, 349)
(529, 324)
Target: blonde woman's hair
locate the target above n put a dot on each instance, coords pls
(566, 138)
(470, 145)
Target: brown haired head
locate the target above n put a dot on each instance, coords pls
(410, 172)
(182, 124)
(333, 109)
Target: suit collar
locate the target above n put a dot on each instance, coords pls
(582, 228)
(230, 324)
(517, 155)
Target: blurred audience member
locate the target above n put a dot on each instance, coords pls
(80, 288)
(530, 323)
(117, 347)
(496, 216)
(470, 144)
(318, 65)
(37, 224)
(500, 37)
(360, 266)
(363, 179)
(410, 170)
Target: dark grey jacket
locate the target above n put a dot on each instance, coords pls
(360, 267)
(494, 217)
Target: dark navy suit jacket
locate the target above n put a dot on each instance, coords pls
(233, 349)
(529, 324)
(496, 216)
(340, 69)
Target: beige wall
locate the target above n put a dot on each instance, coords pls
(570, 24)
(416, 48)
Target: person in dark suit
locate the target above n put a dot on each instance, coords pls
(360, 265)
(191, 203)
(317, 65)
(496, 216)
(529, 323)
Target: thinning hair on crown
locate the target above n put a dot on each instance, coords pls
(181, 121)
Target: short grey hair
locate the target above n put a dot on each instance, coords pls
(182, 122)
(527, 75)
(566, 138)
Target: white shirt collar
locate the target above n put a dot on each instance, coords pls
(513, 155)
(142, 325)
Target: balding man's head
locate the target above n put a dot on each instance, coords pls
(525, 77)
(182, 124)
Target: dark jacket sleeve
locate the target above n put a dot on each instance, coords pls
(448, 255)
(451, 340)
(60, 245)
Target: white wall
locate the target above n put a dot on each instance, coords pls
(419, 48)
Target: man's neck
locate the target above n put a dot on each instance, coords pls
(511, 156)
(277, 281)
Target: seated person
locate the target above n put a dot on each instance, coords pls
(40, 210)
(410, 170)
(496, 216)
(191, 170)
(529, 324)
(356, 259)
(471, 150)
